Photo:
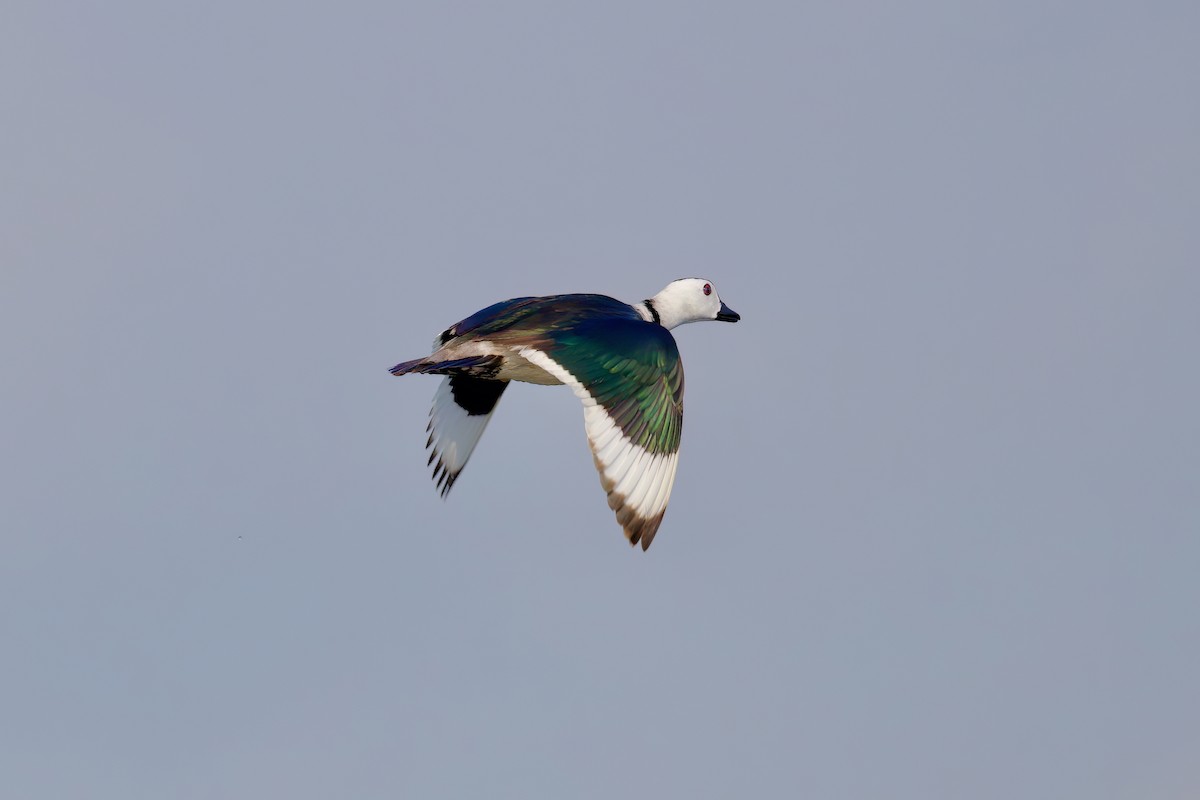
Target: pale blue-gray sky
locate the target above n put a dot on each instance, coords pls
(936, 530)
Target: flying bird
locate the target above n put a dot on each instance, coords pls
(619, 359)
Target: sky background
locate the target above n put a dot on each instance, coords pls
(936, 527)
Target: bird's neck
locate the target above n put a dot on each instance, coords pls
(665, 310)
(648, 311)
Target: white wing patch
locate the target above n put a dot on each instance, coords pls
(453, 434)
(638, 482)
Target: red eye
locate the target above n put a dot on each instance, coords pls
(708, 288)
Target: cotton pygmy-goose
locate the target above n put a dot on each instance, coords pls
(619, 359)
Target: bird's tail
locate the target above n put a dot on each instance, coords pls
(405, 367)
(472, 365)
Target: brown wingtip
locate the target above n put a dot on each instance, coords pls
(648, 537)
(637, 529)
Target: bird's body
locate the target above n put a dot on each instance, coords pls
(619, 359)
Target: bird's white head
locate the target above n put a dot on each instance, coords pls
(689, 300)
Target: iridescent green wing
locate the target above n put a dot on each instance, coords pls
(630, 379)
